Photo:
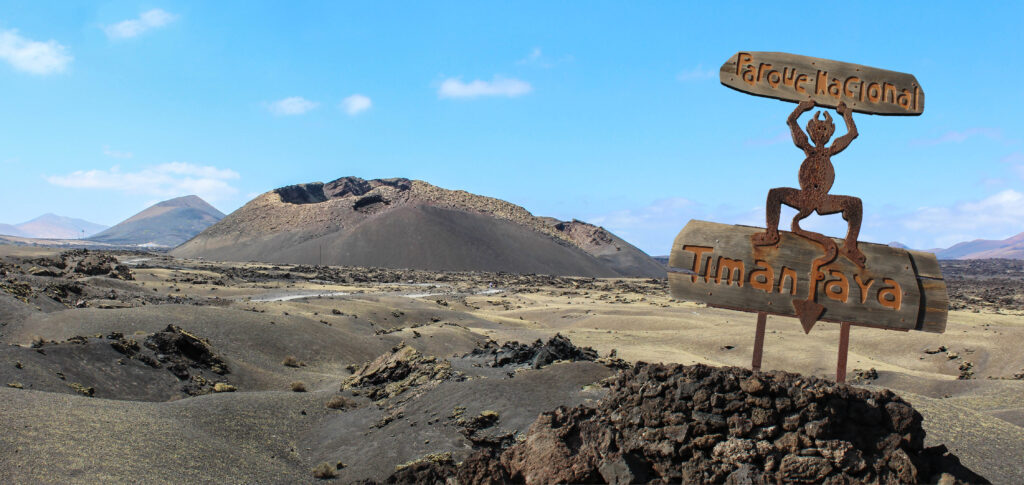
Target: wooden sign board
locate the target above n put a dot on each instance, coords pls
(717, 264)
(790, 77)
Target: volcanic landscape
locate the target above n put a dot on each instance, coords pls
(151, 367)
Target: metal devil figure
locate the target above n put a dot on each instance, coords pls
(802, 273)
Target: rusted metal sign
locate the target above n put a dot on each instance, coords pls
(790, 77)
(803, 273)
(717, 264)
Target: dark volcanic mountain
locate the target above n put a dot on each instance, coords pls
(401, 223)
(168, 223)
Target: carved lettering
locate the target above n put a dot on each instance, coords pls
(731, 267)
(799, 83)
(788, 76)
(763, 277)
(874, 92)
(821, 85)
(698, 258)
(846, 87)
(890, 296)
(904, 99)
(864, 285)
(743, 59)
(865, 86)
(833, 89)
(890, 93)
(787, 272)
(837, 289)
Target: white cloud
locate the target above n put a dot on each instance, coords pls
(355, 104)
(696, 74)
(33, 56)
(995, 217)
(165, 180)
(295, 105)
(499, 86)
(533, 57)
(116, 153)
(150, 19)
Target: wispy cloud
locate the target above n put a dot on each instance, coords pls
(536, 58)
(653, 227)
(696, 74)
(116, 153)
(953, 136)
(499, 86)
(781, 137)
(164, 180)
(355, 104)
(987, 218)
(295, 105)
(148, 20)
(33, 56)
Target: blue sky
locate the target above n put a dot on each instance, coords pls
(609, 112)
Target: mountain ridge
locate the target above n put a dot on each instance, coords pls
(406, 223)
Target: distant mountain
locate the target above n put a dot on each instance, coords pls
(1010, 248)
(52, 226)
(898, 245)
(9, 230)
(402, 223)
(168, 224)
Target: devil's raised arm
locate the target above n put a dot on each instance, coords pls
(851, 130)
(799, 137)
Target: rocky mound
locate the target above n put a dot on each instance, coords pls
(401, 223)
(699, 424)
(534, 356)
(161, 366)
(397, 371)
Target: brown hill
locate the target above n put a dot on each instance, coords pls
(401, 223)
(167, 223)
(1010, 248)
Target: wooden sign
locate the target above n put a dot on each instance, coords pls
(896, 289)
(790, 77)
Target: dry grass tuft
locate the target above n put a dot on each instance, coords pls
(291, 361)
(325, 471)
(299, 386)
(341, 402)
(224, 387)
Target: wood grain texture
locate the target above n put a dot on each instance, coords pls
(792, 77)
(733, 273)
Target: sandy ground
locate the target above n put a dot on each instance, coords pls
(255, 316)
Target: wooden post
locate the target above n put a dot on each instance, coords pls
(762, 318)
(844, 345)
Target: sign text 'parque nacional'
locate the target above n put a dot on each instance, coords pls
(796, 78)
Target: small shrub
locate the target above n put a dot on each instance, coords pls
(325, 471)
(291, 361)
(298, 386)
(340, 402)
(224, 387)
(17, 385)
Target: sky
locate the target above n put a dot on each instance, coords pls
(607, 112)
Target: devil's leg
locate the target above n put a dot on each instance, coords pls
(773, 210)
(852, 211)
